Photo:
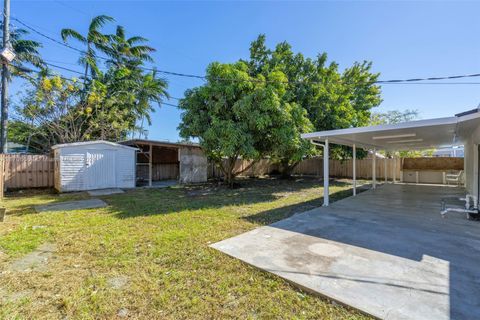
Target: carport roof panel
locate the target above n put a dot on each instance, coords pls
(421, 134)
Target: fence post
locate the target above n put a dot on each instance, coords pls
(2, 176)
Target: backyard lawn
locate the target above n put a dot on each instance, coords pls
(147, 255)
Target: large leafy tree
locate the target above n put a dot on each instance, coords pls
(393, 116)
(237, 116)
(116, 94)
(128, 92)
(399, 116)
(332, 99)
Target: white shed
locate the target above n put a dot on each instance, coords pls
(94, 165)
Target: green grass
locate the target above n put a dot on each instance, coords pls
(158, 239)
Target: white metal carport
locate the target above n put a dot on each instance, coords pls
(462, 129)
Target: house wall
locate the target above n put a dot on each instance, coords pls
(471, 163)
(193, 165)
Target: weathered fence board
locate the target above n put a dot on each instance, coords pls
(440, 163)
(314, 167)
(35, 171)
(28, 171)
(2, 175)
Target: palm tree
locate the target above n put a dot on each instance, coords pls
(26, 52)
(93, 40)
(123, 51)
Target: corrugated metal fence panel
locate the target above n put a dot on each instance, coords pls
(28, 171)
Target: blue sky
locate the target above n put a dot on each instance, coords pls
(402, 39)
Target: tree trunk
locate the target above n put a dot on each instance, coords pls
(287, 169)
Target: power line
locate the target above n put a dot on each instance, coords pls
(169, 104)
(47, 36)
(429, 79)
(430, 83)
(100, 57)
(194, 76)
(63, 68)
(72, 8)
(24, 69)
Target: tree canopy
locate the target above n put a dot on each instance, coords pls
(235, 115)
(259, 107)
(115, 94)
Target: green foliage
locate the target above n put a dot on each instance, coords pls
(260, 107)
(94, 39)
(398, 116)
(106, 104)
(26, 51)
(235, 115)
(332, 100)
(215, 114)
(393, 116)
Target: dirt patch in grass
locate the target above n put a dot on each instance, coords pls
(147, 255)
(36, 260)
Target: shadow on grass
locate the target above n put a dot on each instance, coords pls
(277, 214)
(147, 202)
(22, 202)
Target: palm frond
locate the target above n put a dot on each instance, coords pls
(136, 39)
(70, 33)
(98, 22)
(120, 32)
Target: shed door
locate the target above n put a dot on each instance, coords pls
(100, 169)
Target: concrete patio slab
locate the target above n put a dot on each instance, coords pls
(104, 192)
(386, 252)
(72, 205)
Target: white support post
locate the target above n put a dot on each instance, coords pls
(326, 156)
(150, 164)
(374, 169)
(385, 169)
(394, 175)
(354, 170)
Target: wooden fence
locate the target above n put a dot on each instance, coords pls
(259, 168)
(344, 169)
(37, 171)
(27, 171)
(2, 180)
(314, 167)
(163, 171)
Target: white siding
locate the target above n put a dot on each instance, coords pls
(73, 171)
(125, 168)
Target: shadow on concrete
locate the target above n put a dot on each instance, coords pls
(398, 220)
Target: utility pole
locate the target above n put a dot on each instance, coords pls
(5, 76)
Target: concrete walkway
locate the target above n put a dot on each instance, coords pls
(386, 252)
(72, 205)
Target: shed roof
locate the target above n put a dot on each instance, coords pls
(420, 134)
(159, 143)
(86, 143)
